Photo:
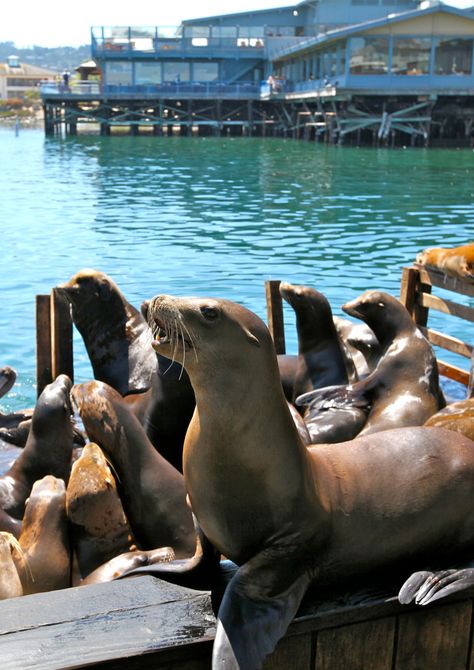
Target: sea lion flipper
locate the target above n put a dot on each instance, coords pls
(426, 587)
(258, 605)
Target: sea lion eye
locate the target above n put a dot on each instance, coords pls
(209, 313)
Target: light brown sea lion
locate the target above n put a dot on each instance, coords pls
(457, 416)
(48, 449)
(321, 359)
(457, 262)
(151, 489)
(10, 583)
(100, 530)
(288, 515)
(403, 390)
(45, 563)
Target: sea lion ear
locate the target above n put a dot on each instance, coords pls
(251, 338)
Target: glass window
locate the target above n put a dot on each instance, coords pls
(206, 71)
(453, 56)
(199, 42)
(342, 60)
(175, 72)
(118, 72)
(224, 31)
(196, 31)
(411, 55)
(368, 55)
(148, 73)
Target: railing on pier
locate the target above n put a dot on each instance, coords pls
(210, 89)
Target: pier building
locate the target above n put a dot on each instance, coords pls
(333, 70)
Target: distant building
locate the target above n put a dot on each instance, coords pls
(17, 78)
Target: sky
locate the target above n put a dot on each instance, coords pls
(57, 23)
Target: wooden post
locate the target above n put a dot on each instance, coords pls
(61, 336)
(408, 287)
(44, 374)
(276, 324)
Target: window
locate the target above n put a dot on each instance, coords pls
(453, 56)
(148, 73)
(175, 72)
(118, 72)
(368, 55)
(206, 71)
(411, 55)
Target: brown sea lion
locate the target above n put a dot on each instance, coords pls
(9, 525)
(10, 583)
(100, 530)
(321, 359)
(48, 449)
(151, 489)
(457, 262)
(11, 420)
(45, 563)
(361, 345)
(403, 390)
(288, 515)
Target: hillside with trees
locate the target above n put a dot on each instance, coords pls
(52, 58)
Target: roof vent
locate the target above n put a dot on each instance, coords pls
(13, 61)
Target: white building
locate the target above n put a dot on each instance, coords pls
(17, 78)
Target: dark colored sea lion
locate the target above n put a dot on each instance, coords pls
(361, 345)
(9, 525)
(403, 390)
(321, 360)
(116, 336)
(126, 562)
(100, 530)
(45, 561)
(289, 515)
(9, 422)
(151, 489)
(118, 341)
(48, 449)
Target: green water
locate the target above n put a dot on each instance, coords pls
(210, 216)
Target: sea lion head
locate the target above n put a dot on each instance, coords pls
(7, 379)
(89, 286)
(53, 405)
(306, 300)
(205, 330)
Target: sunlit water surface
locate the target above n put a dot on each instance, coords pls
(215, 217)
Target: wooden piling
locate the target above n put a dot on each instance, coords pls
(54, 349)
(275, 319)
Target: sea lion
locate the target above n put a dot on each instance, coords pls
(457, 262)
(289, 515)
(48, 449)
(9, 525)
(118, 342)
(100, 530)
(45, 561)
(403, 390)
(458, 416)
(126, 562)
(11, 420)
(321, 360)
(10, 583)
(361, 345)
(115, 335)
(151, 489)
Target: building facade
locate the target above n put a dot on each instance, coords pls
(17, 78)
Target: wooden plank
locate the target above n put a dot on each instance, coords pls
(44, 374)
(438, 278)
(447, 342)
(434, 639)
(61, 336)
(453, 372)
(360, 646)
(275, 320)
(446, 306)
(408, 288)
(291, 653)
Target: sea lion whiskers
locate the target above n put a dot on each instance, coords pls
(14, 544)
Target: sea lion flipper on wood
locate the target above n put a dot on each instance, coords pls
(256, 610)
(198, 572)
(425, 587)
